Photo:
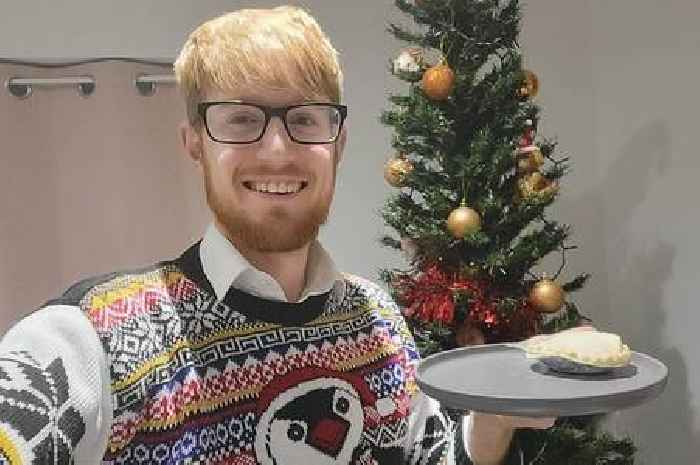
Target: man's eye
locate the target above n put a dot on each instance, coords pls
(242, 119)
(304, 120)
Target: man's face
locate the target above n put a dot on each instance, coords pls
(240, 180)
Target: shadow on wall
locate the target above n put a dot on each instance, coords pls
(638, 265)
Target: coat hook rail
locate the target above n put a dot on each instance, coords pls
(23, 87)
(146, 84)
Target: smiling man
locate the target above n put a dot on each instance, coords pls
(250, 347)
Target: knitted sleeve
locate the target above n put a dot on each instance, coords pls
(433, 437)
(55, 405)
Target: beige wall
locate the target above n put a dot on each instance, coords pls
(89, 184)
(618, 91)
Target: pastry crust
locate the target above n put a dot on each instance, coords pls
(591, 348)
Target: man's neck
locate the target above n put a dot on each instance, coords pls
(287, 268)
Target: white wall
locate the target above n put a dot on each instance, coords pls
(619, 92)
(646, 141)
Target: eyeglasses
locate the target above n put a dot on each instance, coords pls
(236, 122)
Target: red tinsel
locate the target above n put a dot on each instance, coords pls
(430, 297)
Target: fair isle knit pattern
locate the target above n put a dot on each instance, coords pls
(197, 380)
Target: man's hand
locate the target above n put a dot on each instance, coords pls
(510, 422)
(490, 435)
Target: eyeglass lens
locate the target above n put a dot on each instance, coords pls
(233, 122)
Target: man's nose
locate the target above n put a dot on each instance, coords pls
(276, 137)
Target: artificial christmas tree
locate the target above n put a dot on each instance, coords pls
(471, 210)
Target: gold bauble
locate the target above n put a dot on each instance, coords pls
(536, 185)
(530, 85)
(529, 159)
(397, 170)
(438, 81)
(536, 181)
(463, 221)
(547, 296)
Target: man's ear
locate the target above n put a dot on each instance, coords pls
(191, 141)
(340, 144)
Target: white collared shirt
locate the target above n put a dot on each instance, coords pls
(224, 266)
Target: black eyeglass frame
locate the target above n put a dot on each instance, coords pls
(269, 112)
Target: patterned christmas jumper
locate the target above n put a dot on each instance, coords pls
(149, 367)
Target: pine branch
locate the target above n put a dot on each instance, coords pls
(569, 318)
(389, 241)
(577, 283)
(408, 36)
(463, 147)
(533, 246)
(573, 442)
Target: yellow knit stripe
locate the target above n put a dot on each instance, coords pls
(335, 318)
(171, 277)
(132, 285)
(168, 355)
(248, 330)
(165, 357)
(9, 450)
(411, 386)
(162, 359)
(365, 359)
(209, 405)
(240, 331)
(150, 365)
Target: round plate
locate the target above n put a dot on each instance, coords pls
(499, 378)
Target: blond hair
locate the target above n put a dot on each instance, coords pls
(279, 48)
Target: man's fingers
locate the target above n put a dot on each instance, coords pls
(534, 423)
(530, 422)
(516, 422)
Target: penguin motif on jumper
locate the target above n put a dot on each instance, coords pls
(311, 417)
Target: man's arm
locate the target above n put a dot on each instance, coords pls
(488, 437)
(55, 403)
(432, 437)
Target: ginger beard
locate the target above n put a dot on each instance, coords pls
(278, 228)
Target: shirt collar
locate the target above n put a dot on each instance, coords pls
(224, 266)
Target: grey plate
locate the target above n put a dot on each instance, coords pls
(499, 378)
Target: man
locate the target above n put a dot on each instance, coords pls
(250, 347)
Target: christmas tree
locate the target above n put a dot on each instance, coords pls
(474, 180)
